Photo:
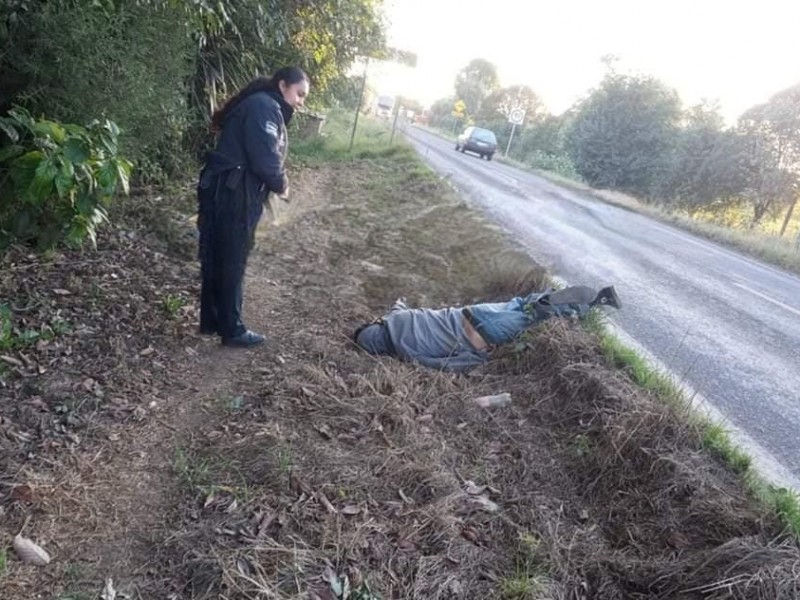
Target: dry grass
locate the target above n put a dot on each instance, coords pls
(312, 470)
(387, 475)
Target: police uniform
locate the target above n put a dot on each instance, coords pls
(246, 166)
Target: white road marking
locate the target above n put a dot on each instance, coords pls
(768, 299)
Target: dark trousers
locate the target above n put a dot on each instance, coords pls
(225, 242)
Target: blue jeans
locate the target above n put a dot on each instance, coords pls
(501, 322)
(374, 338)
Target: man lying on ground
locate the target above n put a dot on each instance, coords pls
(460, 338)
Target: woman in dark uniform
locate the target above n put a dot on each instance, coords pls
(234, 184)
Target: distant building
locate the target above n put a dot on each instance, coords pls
(384, 106)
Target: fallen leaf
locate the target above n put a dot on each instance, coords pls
(29, 552)
(324, 431)
(147, 351)
(22, 493)
(470, 534)
(332, 579)
(62, 292)
(351, 509)
(11, 360)
(406, 545)
(484, 503)
(326, 503)
(37, 402)
(265, 522)
(244, 567)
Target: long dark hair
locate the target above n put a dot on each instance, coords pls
(290, 75)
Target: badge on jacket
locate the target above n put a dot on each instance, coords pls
(271, 128)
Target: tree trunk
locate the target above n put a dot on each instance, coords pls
(788, 216)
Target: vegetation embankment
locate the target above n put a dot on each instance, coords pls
(150, 462)
(311, 468)
(388, 478)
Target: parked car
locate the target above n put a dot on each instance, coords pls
(476, 139)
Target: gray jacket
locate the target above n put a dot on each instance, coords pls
(433, 338)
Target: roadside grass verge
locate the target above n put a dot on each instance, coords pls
(372, 140)
(782, 252)
(785, 503)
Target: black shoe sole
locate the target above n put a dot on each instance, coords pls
(239, 343)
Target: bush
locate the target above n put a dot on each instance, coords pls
(126, 61)
(56, 181)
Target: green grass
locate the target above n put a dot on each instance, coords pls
(12, 338)
(194, 472)
(171, 305)
(528, 579)
(372, 140)
(3, 561)
(715, 438)
(626, 359)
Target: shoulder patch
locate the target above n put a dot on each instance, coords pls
(271, 128)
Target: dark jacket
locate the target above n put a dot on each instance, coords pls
(250, 152)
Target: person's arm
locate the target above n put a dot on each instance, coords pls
(263, 124)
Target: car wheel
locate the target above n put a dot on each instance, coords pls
(456, 147)
(488, 157)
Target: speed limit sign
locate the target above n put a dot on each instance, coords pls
(516, 116)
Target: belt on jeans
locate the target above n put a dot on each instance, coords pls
(470, 317)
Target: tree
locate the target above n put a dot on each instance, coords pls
(77, 61)
(624, 132)
(707, 162)
(475, 82)
(441, 112)
(501, 102)
(771, 132)
(160, 67)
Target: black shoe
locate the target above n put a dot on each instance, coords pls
(208, 330)
(607, 297)
(247, 340)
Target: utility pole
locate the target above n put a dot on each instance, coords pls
(358, 107)
(394, 123)
(511, 137)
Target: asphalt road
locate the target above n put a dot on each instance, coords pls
(726, 326)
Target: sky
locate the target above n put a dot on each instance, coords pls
(736, 53)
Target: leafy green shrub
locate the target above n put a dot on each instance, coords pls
(56, 180)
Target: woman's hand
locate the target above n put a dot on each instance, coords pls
(284, 195)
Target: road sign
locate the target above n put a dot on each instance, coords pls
(516, 116)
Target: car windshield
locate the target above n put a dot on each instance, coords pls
(484, 135)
